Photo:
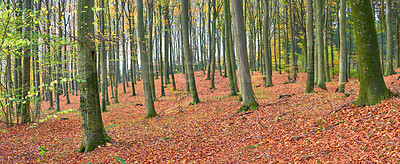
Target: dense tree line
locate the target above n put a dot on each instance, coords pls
(80, 48)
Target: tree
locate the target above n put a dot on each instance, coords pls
(26, 64)
(93, 132)
(389, 40)
(228, 50)
(267, 47)
(150, 9)
(372, 86)
(320, 44)
(310, 47)
(343, 46)
(188, 56)
(247, 94)
(116, 60)
(213, 45)
(150, 111)
(103, 56)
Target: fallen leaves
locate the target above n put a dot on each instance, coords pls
(317, 127)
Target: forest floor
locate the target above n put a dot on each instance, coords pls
(319, 127)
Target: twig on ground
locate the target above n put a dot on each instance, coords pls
(306, 157)
(163, 110)
(342, 106)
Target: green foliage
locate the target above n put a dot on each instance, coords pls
(120, 160)
(112, 125)
(55, 115)
(42, 150)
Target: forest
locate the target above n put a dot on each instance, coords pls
(199, 81)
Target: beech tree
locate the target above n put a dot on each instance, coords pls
(188, 56)
(247, 94)
(93, 132)
(150, 111)
(343, 46)
(372, 86)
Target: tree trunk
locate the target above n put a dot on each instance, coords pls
(188, 56)
(310, 47)
(103, 55)
(26, 64)
(267, 47)
(326, 38)
(247, 94)
(213, 45)
(372, 86)
(116, 60)
(150, 48)
(161, 59)
(343, 46)
(228, 49)
(320, 45)
(389, 40)
(93, 132)
(150, 112)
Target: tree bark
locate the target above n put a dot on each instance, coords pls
(247, 94)
(389, 40)
(320, 45)
(342, 58)
(188, 56)
(93, 132)
(150, 112)
(310, 47)
(372, 86)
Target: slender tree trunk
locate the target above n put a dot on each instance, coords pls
(228, 49)
(320, 44)
(247, 94)
(292, 42)
(389, 40)
(103, 55)
(150, 11)
(267, 47)
(26, 64)
(326, 53)
(166, 41)
(342, 59)
(310, 47)
(116, 60)
(161, 59)
(213, 45)
(150, 112)
(188, 56)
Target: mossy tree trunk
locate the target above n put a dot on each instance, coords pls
(188, 56)
(93, 132)
(150, 111)
(372, 86)
(247, 94)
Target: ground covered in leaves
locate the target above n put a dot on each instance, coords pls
(288, 126)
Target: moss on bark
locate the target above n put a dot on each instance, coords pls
(372, 86)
